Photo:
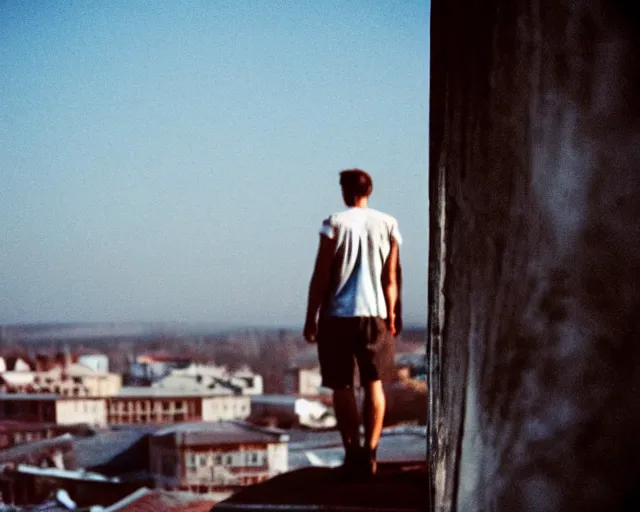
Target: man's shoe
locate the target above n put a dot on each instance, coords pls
(369, 462)
(351, 467)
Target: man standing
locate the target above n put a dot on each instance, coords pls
(351, 314)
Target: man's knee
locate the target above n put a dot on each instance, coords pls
(374, 391)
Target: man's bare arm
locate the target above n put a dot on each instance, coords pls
(319, 285)
(390, 285)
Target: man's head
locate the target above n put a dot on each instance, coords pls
(356, 185)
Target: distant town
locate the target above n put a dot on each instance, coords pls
(108, 416)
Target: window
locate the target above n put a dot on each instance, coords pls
(229, 459)
(218, 459)
(203, 461)
(191, 460)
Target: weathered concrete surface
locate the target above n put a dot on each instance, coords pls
(535, 255)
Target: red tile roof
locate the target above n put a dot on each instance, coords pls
(165, 501)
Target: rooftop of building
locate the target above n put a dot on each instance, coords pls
(148, 500)
(158, 392)
(283, 399)
(397, 445)
(112, 451)
(162, 356)
(308, 365)
(396, 488)
(65, 474)
(78, 429)
(30, 396)
(43, 397)
(22, 451)
(222, 432)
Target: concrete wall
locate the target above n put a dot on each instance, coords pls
(534, 255)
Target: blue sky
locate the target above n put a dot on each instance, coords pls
(172, 161)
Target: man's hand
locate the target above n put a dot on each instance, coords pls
(391, 324)
(310, 330)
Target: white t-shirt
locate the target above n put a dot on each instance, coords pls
(363, 242)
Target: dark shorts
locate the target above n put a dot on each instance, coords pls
(343, 341)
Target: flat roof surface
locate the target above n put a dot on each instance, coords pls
(44, 397)
(222, 432)
(103, 447)
(144, 391)
(23, 450)
(395, 488)
(279, 399)
(325, 448)
(29, 396)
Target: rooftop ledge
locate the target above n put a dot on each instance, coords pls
(398, 487)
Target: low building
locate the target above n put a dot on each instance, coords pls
(52, 408)
(117, 452)
(249, 383)
(44, 453)
(17, 382)
(15, 363)
(221, 408)
(14, 433)
(28, 485)
(78, 380)
(196, 384)
(216, 457)
(144, 405)
(150, 368)
(201, 378)
(303, 381)
(71, 379)
(289, 411)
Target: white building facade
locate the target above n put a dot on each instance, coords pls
(214, 457)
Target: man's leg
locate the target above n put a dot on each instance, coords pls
(337, 367)
(346, 409)
(375, 361)
(373, 418)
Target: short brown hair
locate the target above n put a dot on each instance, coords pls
(355, 183)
